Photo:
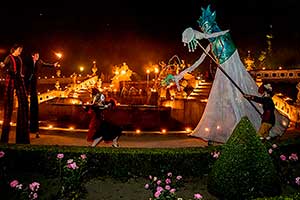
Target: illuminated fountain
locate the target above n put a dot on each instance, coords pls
(63, 108)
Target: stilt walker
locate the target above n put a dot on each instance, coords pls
(14, 81)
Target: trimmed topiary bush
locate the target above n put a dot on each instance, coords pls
(244, 169)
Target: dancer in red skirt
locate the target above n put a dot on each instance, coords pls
(99, 128)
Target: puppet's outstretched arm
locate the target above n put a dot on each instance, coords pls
(179, 76)
(191, 37)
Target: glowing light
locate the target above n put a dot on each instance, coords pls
(81, 68)
(148, 71)
(284, 123)
(163, 130)
(50, 126)
(59, 55)
(218, 127)
(71, 128)
(206, 129)
(123, 72)
(1, 122)
(188, 129)
(156, 70)
(263, 68)
(138, 131)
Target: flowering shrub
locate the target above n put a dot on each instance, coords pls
(71, 172)
(30, 192)
(287, 165)
(165, 188)
(2, 166)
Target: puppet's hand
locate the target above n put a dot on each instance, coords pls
(189, 38)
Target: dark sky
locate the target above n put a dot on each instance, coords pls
(137, 32)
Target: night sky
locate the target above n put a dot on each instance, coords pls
(138, 32)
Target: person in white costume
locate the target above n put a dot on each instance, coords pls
(226, 104)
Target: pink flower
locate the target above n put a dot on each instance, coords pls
(167, 187)
(83, 156)
(147, 186)
(35, 196)
(274, 146)
(60, 156)
(173, 190)
(198, 196)
(270, 151)
(157, 194)
(70, 161)
(150, 177)
(2, 154)
(215, 154)
(170, 174)
(293, 157)
(168, 181)
(179, 177)
(283, 157)
(297, 180)
(158, 182)
(34, 186)
(72, 165)
(14, 183)
(159, 189)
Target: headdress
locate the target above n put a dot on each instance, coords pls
(207, 19)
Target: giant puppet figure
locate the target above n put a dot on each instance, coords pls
(226, 104)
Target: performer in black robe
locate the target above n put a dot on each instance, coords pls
(33, 64)
(14, 81)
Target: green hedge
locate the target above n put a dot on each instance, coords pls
(138, 162)
(121, 162)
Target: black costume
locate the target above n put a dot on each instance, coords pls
(31, 87)
(268, 107)
(14, 80)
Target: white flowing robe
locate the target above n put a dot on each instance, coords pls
(226, 105)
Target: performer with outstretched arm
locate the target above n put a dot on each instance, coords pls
(32, 66)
